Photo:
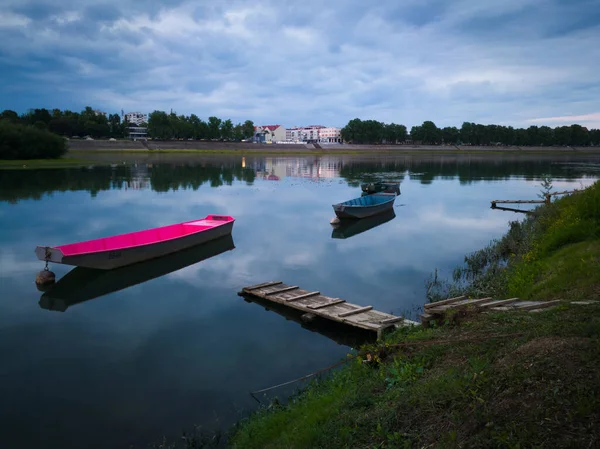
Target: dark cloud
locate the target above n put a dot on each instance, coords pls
(407, 63)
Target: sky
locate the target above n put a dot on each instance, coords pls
(515, 62)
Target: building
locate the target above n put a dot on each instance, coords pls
(330, 135)
(270, 133)
(136, 118)
(304, 134)
(138, 132)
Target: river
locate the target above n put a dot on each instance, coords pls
(183, 349)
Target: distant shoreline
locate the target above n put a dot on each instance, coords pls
(246, 147)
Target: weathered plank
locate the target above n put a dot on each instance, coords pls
(541, 305)
(459, 305)
(282, 290)
(327, 304)
(355, 311)
(306, 295)
(500, 302)
(444, 302)
(518, 201)
(392, 320)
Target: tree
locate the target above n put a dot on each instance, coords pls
(450, 135)
(214, 127)
(248, 129)
(227, 130)
(9, 116)
(430, 133)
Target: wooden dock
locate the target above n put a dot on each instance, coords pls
(547, 200)
(439, 310)
(315, 305)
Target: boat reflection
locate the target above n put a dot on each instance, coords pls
(338, 332)
(347, 228)
(82, 284)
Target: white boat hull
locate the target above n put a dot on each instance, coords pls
(107, 260)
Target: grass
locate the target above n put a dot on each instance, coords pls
(30, 164)
(498, 380)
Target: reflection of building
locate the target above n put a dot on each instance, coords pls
(140, 179)
(277, 169)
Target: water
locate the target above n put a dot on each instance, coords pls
(183, 349)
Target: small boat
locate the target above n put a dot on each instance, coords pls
(365, 206)
(349, 228)
(125, 249)
(380, 187)
(83, 284)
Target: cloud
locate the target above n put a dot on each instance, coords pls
(507, 62)
(590, 120)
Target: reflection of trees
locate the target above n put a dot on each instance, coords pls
(34, 184)
(467, 170)
(166, 177)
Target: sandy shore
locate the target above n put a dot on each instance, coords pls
(226, 147)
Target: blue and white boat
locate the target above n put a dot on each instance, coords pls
(365, 206)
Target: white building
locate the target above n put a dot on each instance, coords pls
(330, 135)
(136, 118)
(272, 133)
(304, 134)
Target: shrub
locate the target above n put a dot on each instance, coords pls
(29, 142)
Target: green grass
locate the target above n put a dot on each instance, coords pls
(29, 164)
(540, 388)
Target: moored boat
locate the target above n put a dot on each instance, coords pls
(83, 284)
(125, 249)
(380, 187)
(365, 206)
(347, 228)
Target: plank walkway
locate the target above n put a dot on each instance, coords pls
(314, 304)
(437, 310)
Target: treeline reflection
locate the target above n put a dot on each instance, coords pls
(18, 185)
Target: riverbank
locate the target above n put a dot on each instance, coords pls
(154, 146)
(502, 379)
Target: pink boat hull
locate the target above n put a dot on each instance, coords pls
(126, 249)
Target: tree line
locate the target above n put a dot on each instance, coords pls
(172, 126)
(374, 132)
(68, 123)
(160, 125)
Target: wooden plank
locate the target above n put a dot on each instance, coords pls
(501, 302)
(355, 311)
(328, 304)
(281, 290)
(543, 305)
(392, 320)
(518, 201)
(460, 306)
(444, 302)
(306, 295)
(257, 286)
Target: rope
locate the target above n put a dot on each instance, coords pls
(398, 345)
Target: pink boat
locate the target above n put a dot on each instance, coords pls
(126, 249)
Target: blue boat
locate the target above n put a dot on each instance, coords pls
(365, 206)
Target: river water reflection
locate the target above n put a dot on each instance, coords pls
(126, 362)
